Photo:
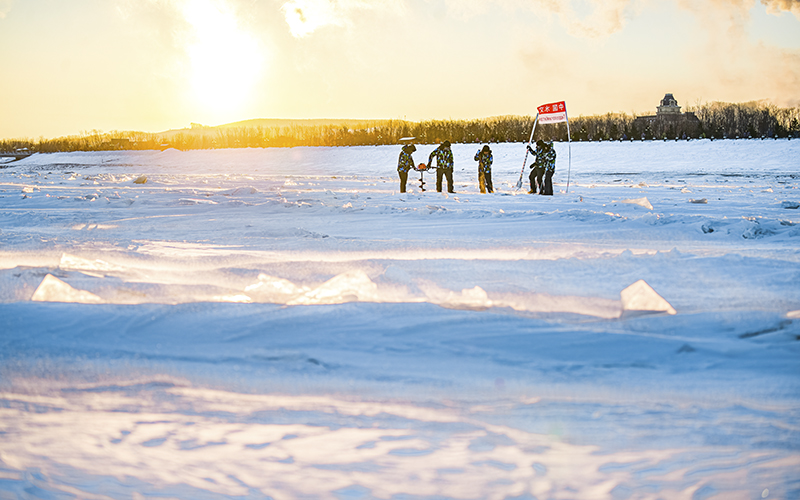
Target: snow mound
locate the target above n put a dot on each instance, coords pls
(640, 298)
(52, 289)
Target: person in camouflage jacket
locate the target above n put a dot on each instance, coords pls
(544, 165)
(444, 165)
(549, 162)
(484, 159)
(404, 164)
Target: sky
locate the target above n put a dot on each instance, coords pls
(152, 65)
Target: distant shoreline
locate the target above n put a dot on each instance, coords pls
(756, 120)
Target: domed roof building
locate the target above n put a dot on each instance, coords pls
(669, 106)
(668, 120)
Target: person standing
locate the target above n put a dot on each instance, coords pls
(404, 164)
(537, 171)
(484, 159)
(549, 169)
(444, 165)
(537, 167)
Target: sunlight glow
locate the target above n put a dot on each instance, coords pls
(226, 61)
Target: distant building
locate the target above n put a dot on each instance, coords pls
(669, 106)
(668, 120)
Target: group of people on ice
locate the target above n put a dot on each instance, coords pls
(541, 175)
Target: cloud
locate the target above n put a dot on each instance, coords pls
(600, 18)
(778, 6)
(742, 7)
(749, 70)
(606, 18)
(306, 16)
(5, 7)
(591, 19)
(581, 18)
(547, 58)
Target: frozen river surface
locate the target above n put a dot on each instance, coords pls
(283, 323)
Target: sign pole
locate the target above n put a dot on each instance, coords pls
(522, 173)
(569, 145)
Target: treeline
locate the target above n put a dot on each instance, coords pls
(714, 120)
(87, 141)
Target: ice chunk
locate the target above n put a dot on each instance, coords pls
(346, 287)
(196, 201)
(469, 298)
(568, 304)
(793, 205)
(640, 298)
(78, 263)
(793, 314)
(240, 191)
(642, 202)
(272, 289)
(238, 298)
(140, 180)
(52, 289)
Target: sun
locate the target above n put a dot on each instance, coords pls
(226, 62)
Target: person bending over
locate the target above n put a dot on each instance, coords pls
(484, 159)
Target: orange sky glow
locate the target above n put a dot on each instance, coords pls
(153, 65)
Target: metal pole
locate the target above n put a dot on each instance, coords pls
(519, 182)
(569, 145)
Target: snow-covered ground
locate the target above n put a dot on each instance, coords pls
(283, 323)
